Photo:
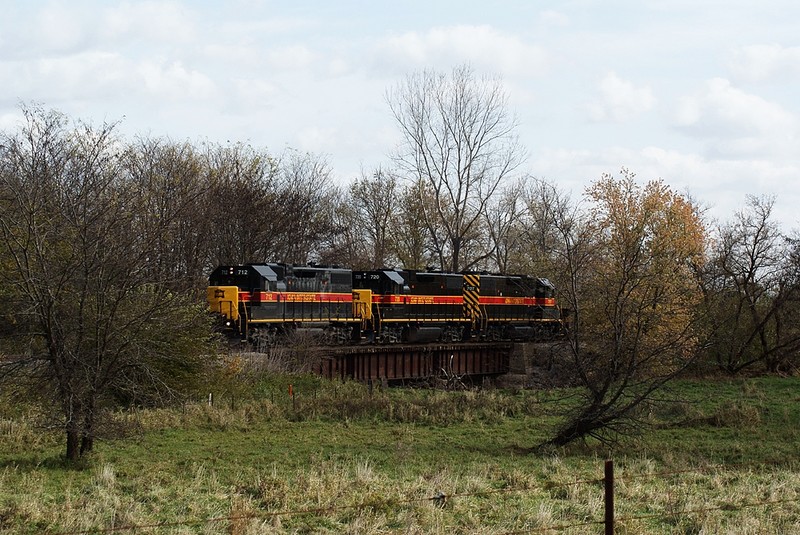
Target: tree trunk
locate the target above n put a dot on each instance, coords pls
(87, 433)
(73, 444)
(87, 443)
(456, 258)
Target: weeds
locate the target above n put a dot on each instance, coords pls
(339, 458)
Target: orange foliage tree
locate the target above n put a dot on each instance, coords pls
(635, 302)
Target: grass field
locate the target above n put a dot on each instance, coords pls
(341, 459)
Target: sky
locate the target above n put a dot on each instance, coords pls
(702, 94)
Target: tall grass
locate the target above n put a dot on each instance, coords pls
(344, 458)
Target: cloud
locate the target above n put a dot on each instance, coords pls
(765, 62)
(294, 57)
(721, 186)
(148, 21)
(85, 75)
(482, 46)
(735, 123)
(105, 76)
(619, 100)
(239, 55)
(553, 18)
(10, 121)
(60, 28)
(173, 81)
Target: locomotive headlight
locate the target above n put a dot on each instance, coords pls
(228, 323)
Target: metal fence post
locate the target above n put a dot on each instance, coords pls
(608, 483)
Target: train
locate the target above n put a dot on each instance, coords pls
(265, 303)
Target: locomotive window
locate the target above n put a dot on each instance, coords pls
(305, 274)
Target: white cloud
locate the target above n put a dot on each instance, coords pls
(720, 109)
(295, 57)
(266, 26)
(482, 46)
(736, 124)
(10, 121)
(240, 55)
(105, 76)
(148, 21)
(316, 76)
(553, 18)
(254, 93)
(338, 66)
(765, 62)
(62, 78)
(620, 100)
(719, 185)
(59, 28)
(173, 81)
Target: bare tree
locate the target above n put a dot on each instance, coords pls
(559, 243)
(303, 215)
(374, 200)
(415, 239)
(749, 290)
(243, 211)
(459, 139)
(504, 229)
(173, 184)
(98, 326)
(346, 245)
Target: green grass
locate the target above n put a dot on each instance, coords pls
(361, 462)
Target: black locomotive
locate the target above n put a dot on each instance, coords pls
(262, 302)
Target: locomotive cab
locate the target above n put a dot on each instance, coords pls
(381, 282)
(233, 289)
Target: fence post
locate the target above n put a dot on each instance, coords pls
(608, 483)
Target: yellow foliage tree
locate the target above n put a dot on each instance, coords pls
(636, 301)
(649, 243)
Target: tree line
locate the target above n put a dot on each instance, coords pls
(106, 243)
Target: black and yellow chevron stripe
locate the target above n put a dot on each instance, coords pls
(472, 296)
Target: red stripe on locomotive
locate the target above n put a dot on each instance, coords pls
(297, 297)
(399, 299)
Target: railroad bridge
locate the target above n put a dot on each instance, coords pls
(409, 362)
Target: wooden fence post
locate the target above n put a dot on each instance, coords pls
(608, 483)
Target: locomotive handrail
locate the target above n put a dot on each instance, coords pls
(244, 320)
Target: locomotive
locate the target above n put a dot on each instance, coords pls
(261, 303)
